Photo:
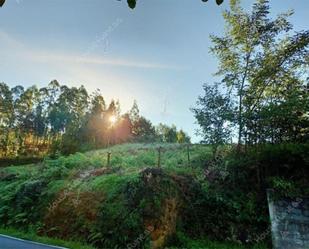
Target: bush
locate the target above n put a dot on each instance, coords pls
(26, 203)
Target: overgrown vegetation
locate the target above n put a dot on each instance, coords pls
(168, 193)
(53, 197)
(222, 199)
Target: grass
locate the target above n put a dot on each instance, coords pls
(75, 174)
(45, 240)
(188, 243)
(205, 244)
(129, 157)
(140, 155)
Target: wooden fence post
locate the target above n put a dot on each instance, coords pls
(109, 158)
(188, 152)
(159, 156)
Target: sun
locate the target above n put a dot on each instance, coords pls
(112, 119)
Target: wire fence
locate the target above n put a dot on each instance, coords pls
(159, 150)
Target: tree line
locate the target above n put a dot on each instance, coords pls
(61, 119)
(263, 96)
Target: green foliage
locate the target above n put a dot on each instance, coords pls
(183, 241)
(115, 217)
(144, 130)
(170, 134)
(64, 187)
(19, 202)
(282, 167)
(241, 220)
(214, 114)
(285, 187)
(132, 192)
(56, 120)
(262, 65)
(261, 163)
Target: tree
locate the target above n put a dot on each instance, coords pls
(214, 114)
(75, 101)
(95, 125)
(182, 137)
(167, 134)
(144, 131)
(134, 117)
(256, 55)
(111, 119)
(25, 118)
(284, 118)
(61, 119)
(124, 129)
(7, 117)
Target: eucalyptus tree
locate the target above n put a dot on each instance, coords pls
(40, 122)
(24, 111)
(7, 117)
(73, 106)
(95, 126)
(134, 115)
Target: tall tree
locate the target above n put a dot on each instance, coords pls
(256, 52)
(61, 119)
(167, 134)
(7, 117)
(144, 130)
(134, 115)
(95, 125)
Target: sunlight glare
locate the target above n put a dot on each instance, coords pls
(112, 119)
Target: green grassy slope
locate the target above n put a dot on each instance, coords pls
(80, 198)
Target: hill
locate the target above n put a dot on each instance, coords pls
(125, 202)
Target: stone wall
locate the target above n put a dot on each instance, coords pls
(289, 222)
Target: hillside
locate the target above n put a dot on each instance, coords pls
(132, 203)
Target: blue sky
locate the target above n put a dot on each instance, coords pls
(157, 54)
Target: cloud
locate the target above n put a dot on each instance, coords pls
(25, 63)
(7, 40)
(30, 54)
(95, 60)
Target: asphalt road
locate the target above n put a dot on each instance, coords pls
(12, 243)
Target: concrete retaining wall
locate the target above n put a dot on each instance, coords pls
(289, 222)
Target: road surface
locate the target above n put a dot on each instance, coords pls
(7, 242)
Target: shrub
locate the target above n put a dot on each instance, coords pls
(26, 203)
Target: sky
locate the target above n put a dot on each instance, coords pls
(157, 54)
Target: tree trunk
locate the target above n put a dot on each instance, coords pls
(240, 105)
